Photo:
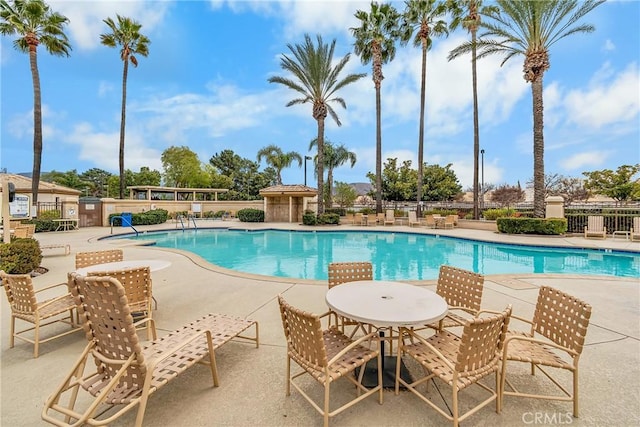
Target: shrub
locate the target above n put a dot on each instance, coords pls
(522, 225)
(44, 224)
(367, 211)
(20, 256)
(156, 216)
(309, 218)
(50, 215)
(328, 218)
(493, 214)
(251, 215)
(339, 211)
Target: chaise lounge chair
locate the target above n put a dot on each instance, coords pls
(595, 227)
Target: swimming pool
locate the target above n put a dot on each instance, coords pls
(395, 255)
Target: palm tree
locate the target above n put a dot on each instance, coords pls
(35, 24)
(334, 157)
(424, 18)
(530, 28)
(466, 13)
(125, 34)
(375, 43)
(278, 160)
(316, 79)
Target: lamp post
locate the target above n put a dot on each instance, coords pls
(305, 169)
(482, 185)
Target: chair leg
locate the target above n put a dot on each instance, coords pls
(36, 339)
(13, 331)
(575, 392)
(288, 392)
(454, 405)
(498, 403)
(327, 386)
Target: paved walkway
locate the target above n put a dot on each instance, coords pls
(251, 391)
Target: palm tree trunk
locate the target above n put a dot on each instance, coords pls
(423, 90)
(123, 116)
(476, 127)
(330, 185)
(37, 126)
(378, 150)
(538, 149)
(320, 164)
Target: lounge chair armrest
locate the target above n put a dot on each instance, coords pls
(152, 326)
(55, 285)
(355, 343)
(54, 300)
(538, 341)
(427, 344)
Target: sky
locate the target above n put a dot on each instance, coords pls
(205, 86)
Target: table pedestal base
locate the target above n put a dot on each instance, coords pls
(370, 378)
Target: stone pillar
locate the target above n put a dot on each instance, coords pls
(555, 207)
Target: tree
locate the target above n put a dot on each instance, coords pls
(440, 183)
(98, 180)
(570, 189)
(506, 195)
(317, 80)
(424, 18)
(182, 168)
(398, 182)
(147, 176)
(375, 41)
(622, 185)
(333, 157)
(125, 34)
(530, 28)
(246, 179)
(34, 23)
(69, 179)
(345, 195)
(278, 160)
(467, 13)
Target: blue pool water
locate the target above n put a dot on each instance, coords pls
(395, 256)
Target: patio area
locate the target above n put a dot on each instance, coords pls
(252, 381)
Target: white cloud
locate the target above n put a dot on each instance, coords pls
(585, 160)
(102, 148)
(86, 18)
(104, 88)
(608, 46)
(609, 98)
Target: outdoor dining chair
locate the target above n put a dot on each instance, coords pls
(25, 306)
(555, 340)
(115, 372)
(326, 356)
(87, 259)
(458, 361)
(138, 289)
(343, 272)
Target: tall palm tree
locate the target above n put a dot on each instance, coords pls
(467, 13)
(318, 81)
(530, 28)
(375, 42)
(334, 156)
(35, 24)
(424, 18)
(126, 35)
(277, 159)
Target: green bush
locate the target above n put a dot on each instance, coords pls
(309, 218)
(367, 211)
(20, 256)
(50, 215)
(251, 215)
(328, 218)
(156, 216)
(339, 211)
(493, 214)
(544, 226)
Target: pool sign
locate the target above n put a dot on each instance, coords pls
(19, 208)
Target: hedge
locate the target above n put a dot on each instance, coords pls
(522, 225)
(156, 216)
(251, 215)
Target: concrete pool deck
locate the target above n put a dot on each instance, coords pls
(252, 381)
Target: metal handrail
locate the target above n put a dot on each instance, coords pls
(122, 221)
